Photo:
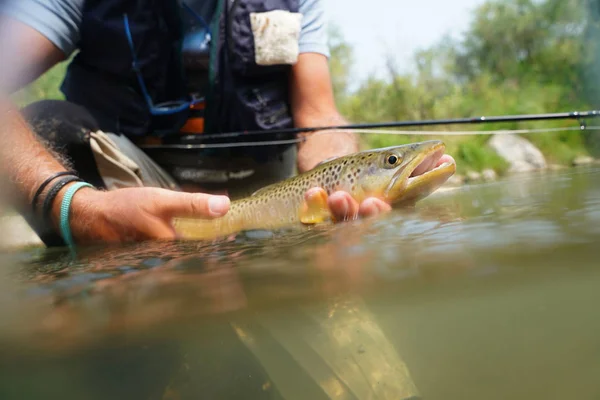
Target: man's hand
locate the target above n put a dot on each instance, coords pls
(313, 105)
(134, 214)
(343, 207)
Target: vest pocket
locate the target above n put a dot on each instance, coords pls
(276, 35)
(263, 36)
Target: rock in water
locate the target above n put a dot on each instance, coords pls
(489, 175)
(518, 152)
(455, 180)
(583, 160)
(473, 176)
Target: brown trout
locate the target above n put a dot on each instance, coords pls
(399, 175)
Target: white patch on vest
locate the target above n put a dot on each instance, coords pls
(276, 36)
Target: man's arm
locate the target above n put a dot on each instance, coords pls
(123, 214)
(26, 55)
(313, 105)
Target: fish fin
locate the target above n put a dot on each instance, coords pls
(198, 228)
(315, 209)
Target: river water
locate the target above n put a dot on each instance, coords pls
(487, 291)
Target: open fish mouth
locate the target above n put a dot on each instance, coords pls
(426, 172)
(431, 161)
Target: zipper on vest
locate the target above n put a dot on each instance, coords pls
(215, 27)
(230, 48)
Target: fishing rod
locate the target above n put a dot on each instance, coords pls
(191, 141)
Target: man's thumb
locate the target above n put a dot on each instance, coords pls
(199, 205)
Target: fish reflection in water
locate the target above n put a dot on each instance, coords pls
(337, 343)
(315, 317)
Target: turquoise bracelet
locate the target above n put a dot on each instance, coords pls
(65, 208)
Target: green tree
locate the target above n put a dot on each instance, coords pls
(340, 63)
(590, 67)
(517, 56)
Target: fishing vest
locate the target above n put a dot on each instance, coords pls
(247, 89)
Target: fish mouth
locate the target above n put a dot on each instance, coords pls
(423, 174)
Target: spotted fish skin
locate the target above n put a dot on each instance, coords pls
(363, 174)
(274, 206)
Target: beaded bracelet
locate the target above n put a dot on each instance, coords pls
(43, 186)
(65, 209)
(47, 207)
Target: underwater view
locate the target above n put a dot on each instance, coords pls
(483, 291)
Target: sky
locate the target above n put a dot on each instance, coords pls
(377, 27)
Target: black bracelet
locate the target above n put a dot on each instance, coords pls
(43, 185)
(52, 194)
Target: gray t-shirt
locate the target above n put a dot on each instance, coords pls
(59, 21)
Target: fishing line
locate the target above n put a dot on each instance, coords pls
(459, 133)
(370, 131)
(578, 115)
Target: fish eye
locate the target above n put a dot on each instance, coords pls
(392, 159)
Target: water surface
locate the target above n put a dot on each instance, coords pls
(484, 292)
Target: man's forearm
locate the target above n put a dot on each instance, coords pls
(313, 105)
(24, 160)
(321, 145)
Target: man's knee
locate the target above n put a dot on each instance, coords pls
(65, 128)
(60, 122)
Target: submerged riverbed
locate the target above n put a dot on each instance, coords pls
(482, 292)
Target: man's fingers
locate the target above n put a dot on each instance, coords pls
(314, 192)
(373, 206)
(343, 207)
(199, 205)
